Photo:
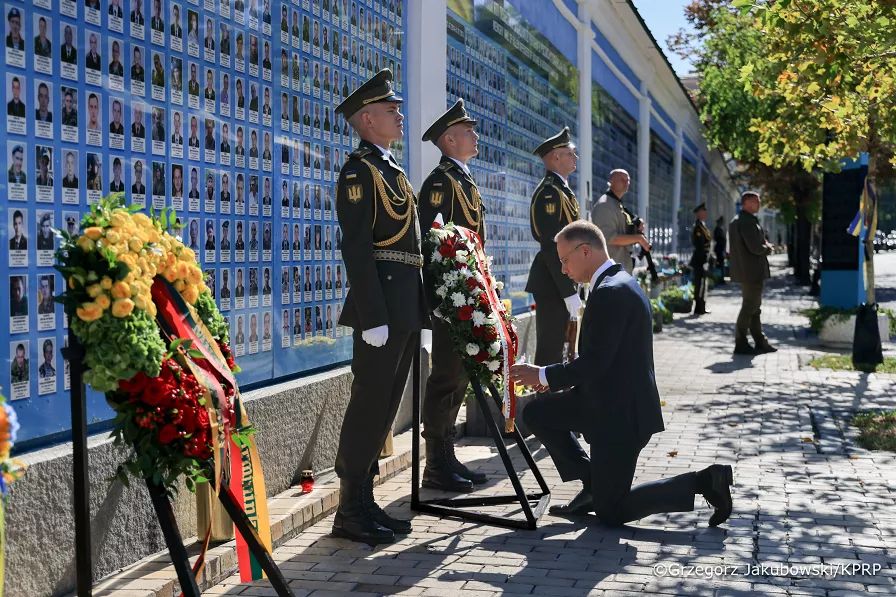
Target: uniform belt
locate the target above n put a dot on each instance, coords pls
(413, 259)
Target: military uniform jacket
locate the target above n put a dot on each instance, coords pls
(553, 206)
(377, 212)
(749, 253)
(701, 239)
(450, 191)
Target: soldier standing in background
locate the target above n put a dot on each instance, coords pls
(553, 206)
(386, 306)
(451, 192)
(701, 239)
(720, 245)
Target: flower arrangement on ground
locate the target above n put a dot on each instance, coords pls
(480, 327)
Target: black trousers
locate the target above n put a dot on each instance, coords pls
(699, 283)
(380, 375)
(446, 385)
(551, 320)
(610, 469)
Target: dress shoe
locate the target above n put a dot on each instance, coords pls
(354, 520)
(460, 468)
(581, 504)
(743, 348)
(764, 347)
(380, 516)
(714, 483)
(438, 473)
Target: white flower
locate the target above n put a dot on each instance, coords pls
(499, 285)
(458, 300)
(494, 348)
(436, 256)
(472, 349)
(493, 365)
(439, 233)
(472, 301)
(442, 291)
(478, 318)
(464, 273)
(461, 255)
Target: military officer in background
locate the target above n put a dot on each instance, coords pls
(701, 238)
(554, 205)
(386, 306)
(451, 192)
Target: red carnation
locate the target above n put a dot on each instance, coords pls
(473, 283)
(447, 251)
(465, 313)
(478, 331)
(483, 299)
(491, 333)
(481, 357)
(168, 434)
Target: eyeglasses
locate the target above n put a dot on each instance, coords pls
(565, 259)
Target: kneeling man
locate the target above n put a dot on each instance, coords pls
(613, 399)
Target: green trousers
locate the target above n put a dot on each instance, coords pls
(750, 308)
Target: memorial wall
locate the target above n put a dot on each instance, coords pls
(221, 110)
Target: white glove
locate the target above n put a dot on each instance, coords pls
(573, 304)
(377, 336)
(426, 339)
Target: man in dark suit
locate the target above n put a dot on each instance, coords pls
(138, 187)
(701, 239)
(451, 192)
(612, 398)
(749, 266)
(386, 305)
(554, 205)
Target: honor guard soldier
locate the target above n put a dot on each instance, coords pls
(451, 192)
(386, 306)
(554, 205)
(701, 238)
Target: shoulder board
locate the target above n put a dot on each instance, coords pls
(559, 190)
(360, 152)
(444, 166)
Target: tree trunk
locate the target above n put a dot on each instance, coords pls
(790, 245)
(869, 239)
(803, 243)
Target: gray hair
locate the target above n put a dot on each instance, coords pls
(583, 231)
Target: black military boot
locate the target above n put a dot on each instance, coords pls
(743, 346)
(354, 521)
(459, 467)
(438, 473)
(397, 526)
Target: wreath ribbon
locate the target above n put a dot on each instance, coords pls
(236, 460)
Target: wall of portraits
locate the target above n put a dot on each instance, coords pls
(219, 109)
(520, 97)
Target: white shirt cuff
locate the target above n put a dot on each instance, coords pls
(542, 378)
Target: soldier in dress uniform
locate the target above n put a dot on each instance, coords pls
(554, 205)
(386, 306)
(449, 190)
(701, 238)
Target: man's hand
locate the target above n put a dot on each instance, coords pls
(377, 336)
(525, 374)
(573, 304)
(645, 244)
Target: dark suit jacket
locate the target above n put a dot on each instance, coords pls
(553, 206)
(749, 253)
(613, 374)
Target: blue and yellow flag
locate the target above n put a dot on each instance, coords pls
(865, 219)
